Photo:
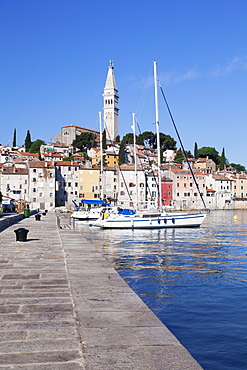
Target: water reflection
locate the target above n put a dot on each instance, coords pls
(194, 280)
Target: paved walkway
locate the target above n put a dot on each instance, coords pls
(64, 307)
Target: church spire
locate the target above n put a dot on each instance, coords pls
(111, 105)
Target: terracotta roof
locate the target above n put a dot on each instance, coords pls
(65, 163)
(87, 129)
(29, 154)
(221, 178)
(40, 164)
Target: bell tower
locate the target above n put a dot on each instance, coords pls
(111, 106)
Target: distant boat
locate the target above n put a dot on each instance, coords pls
(150, 220)
(90, 213)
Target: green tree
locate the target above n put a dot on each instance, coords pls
(117, 140)
(35, 147)
(121, 154)
(14, 138)
(69, 159)
(84, 141)
(104, 139)
(28, 141)
(128, 138)
(222, 160)
(196, 154)
(179, 156)
(238, 167)
(147, 138)
(209, 152)
(167, 142)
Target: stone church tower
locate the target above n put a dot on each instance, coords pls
(111, 106)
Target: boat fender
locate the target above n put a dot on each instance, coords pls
(165, 220)
(158, 221)
(173, 220)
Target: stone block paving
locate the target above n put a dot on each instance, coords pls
(63, 306)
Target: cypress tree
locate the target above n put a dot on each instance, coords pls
(121, 155)
(14, 138)
(222, 160)
(196, 154)
(28, 141)
(104, 139)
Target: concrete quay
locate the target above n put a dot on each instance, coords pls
(64, 307)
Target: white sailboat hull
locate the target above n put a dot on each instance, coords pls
(156, 222)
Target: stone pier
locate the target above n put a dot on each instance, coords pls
(64, 307)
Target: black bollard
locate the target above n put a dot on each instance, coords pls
(37, 217)
(21, 234)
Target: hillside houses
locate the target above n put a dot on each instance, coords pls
(54, 181)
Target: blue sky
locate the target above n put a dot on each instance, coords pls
(55, 54)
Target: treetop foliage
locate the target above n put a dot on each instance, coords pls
(84, 141)
(35, 147)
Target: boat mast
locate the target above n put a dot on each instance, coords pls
(135, 157)
(101, 157)
(157, 134)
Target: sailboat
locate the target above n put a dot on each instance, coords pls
(151, 220)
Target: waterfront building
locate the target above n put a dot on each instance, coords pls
(219, 191)
(14, 181)
(41, 185)
(89, 184)
(131, 186)
(67, 183)
(185, 192)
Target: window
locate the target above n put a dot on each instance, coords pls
(76, 184)
(169, 186)
(40, 195)
(69, 184)
(34, 179)
(169, 193)
(34, 199)
(51, 194)
(121, 192)
(34, 190)
(34, 170)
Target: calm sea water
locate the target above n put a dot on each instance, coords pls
(195, 280)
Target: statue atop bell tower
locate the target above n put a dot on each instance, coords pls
(111, 106)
